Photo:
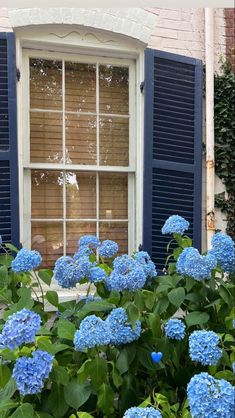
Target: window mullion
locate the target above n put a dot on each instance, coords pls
(64, 156)
(97, 150)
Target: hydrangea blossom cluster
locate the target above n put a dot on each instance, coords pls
(68, 271)
(148, 412)
(143, 258)
(203, 347)
(20, 328)
(209, 397)
(127, 274)
(121, 331)
(26, 260)
(224, 251)
(108, 248)
(30, 372)
(90, 241)
(96, 274)
(175, 329)
(192, 263)
(175, 224)
(93, 332)
(233, 367)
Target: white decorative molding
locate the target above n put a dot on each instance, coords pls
(87, 37)
(134, 23)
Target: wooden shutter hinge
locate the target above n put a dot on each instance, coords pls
(142, 86)
(18, 74)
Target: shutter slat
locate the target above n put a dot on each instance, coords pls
(172, 173)
(9, 207)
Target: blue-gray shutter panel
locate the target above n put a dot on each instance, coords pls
(9, 196)
(173, 147)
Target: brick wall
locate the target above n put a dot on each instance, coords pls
(5, 25)
(229, 15)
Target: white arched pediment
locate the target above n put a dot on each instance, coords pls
(135, 23)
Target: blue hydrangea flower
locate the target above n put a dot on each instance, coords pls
(127, 274)
(203, 347)
(143, 258)
(96, 274)
(84, 251)
(148, 412)
(26, 260)
(192, 263)
(233, 323)
(233, 367)
(68, 272)
(0, 240)
(224, 251)
(30, 372)
(175, 224)
(93, 332)
(121, 330)
(175, 329)
(108, 248)
(90, 241)
(209, 397)
(20, 328)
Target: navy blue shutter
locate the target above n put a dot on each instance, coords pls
(9, 201)
(173, 147)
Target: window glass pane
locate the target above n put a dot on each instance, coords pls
(74, 232)
(80, 87)
(45, 84)
(80, 195)
(113, 195)
(116, 231)
(47, 194)
(114, 141)
(80, 139)
(45, 137)
(47, 238)
(114, 89)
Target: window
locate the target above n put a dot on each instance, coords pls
(79, 152)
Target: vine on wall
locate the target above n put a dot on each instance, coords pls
(225, 142)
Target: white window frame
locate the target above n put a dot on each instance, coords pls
(27, 166)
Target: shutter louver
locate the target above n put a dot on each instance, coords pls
(9, 207)
(173, 124)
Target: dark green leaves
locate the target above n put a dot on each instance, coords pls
(52, 297)
(66, 329)
(46, 276)
(176, 296)
(23, 411)
(77, 394)
(196, 318)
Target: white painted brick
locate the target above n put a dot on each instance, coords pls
(173, 24)
(171, 14)
(166, 33)
(4, 22)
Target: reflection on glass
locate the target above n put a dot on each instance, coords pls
(74, 232)
(80, 139)
(80, 195)
(45, 137)
(114, 89)
(113, 195)
(114, 141)
(47, 238)
(45, 84)
(80, 87)
(116, 231)
(46, 194)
